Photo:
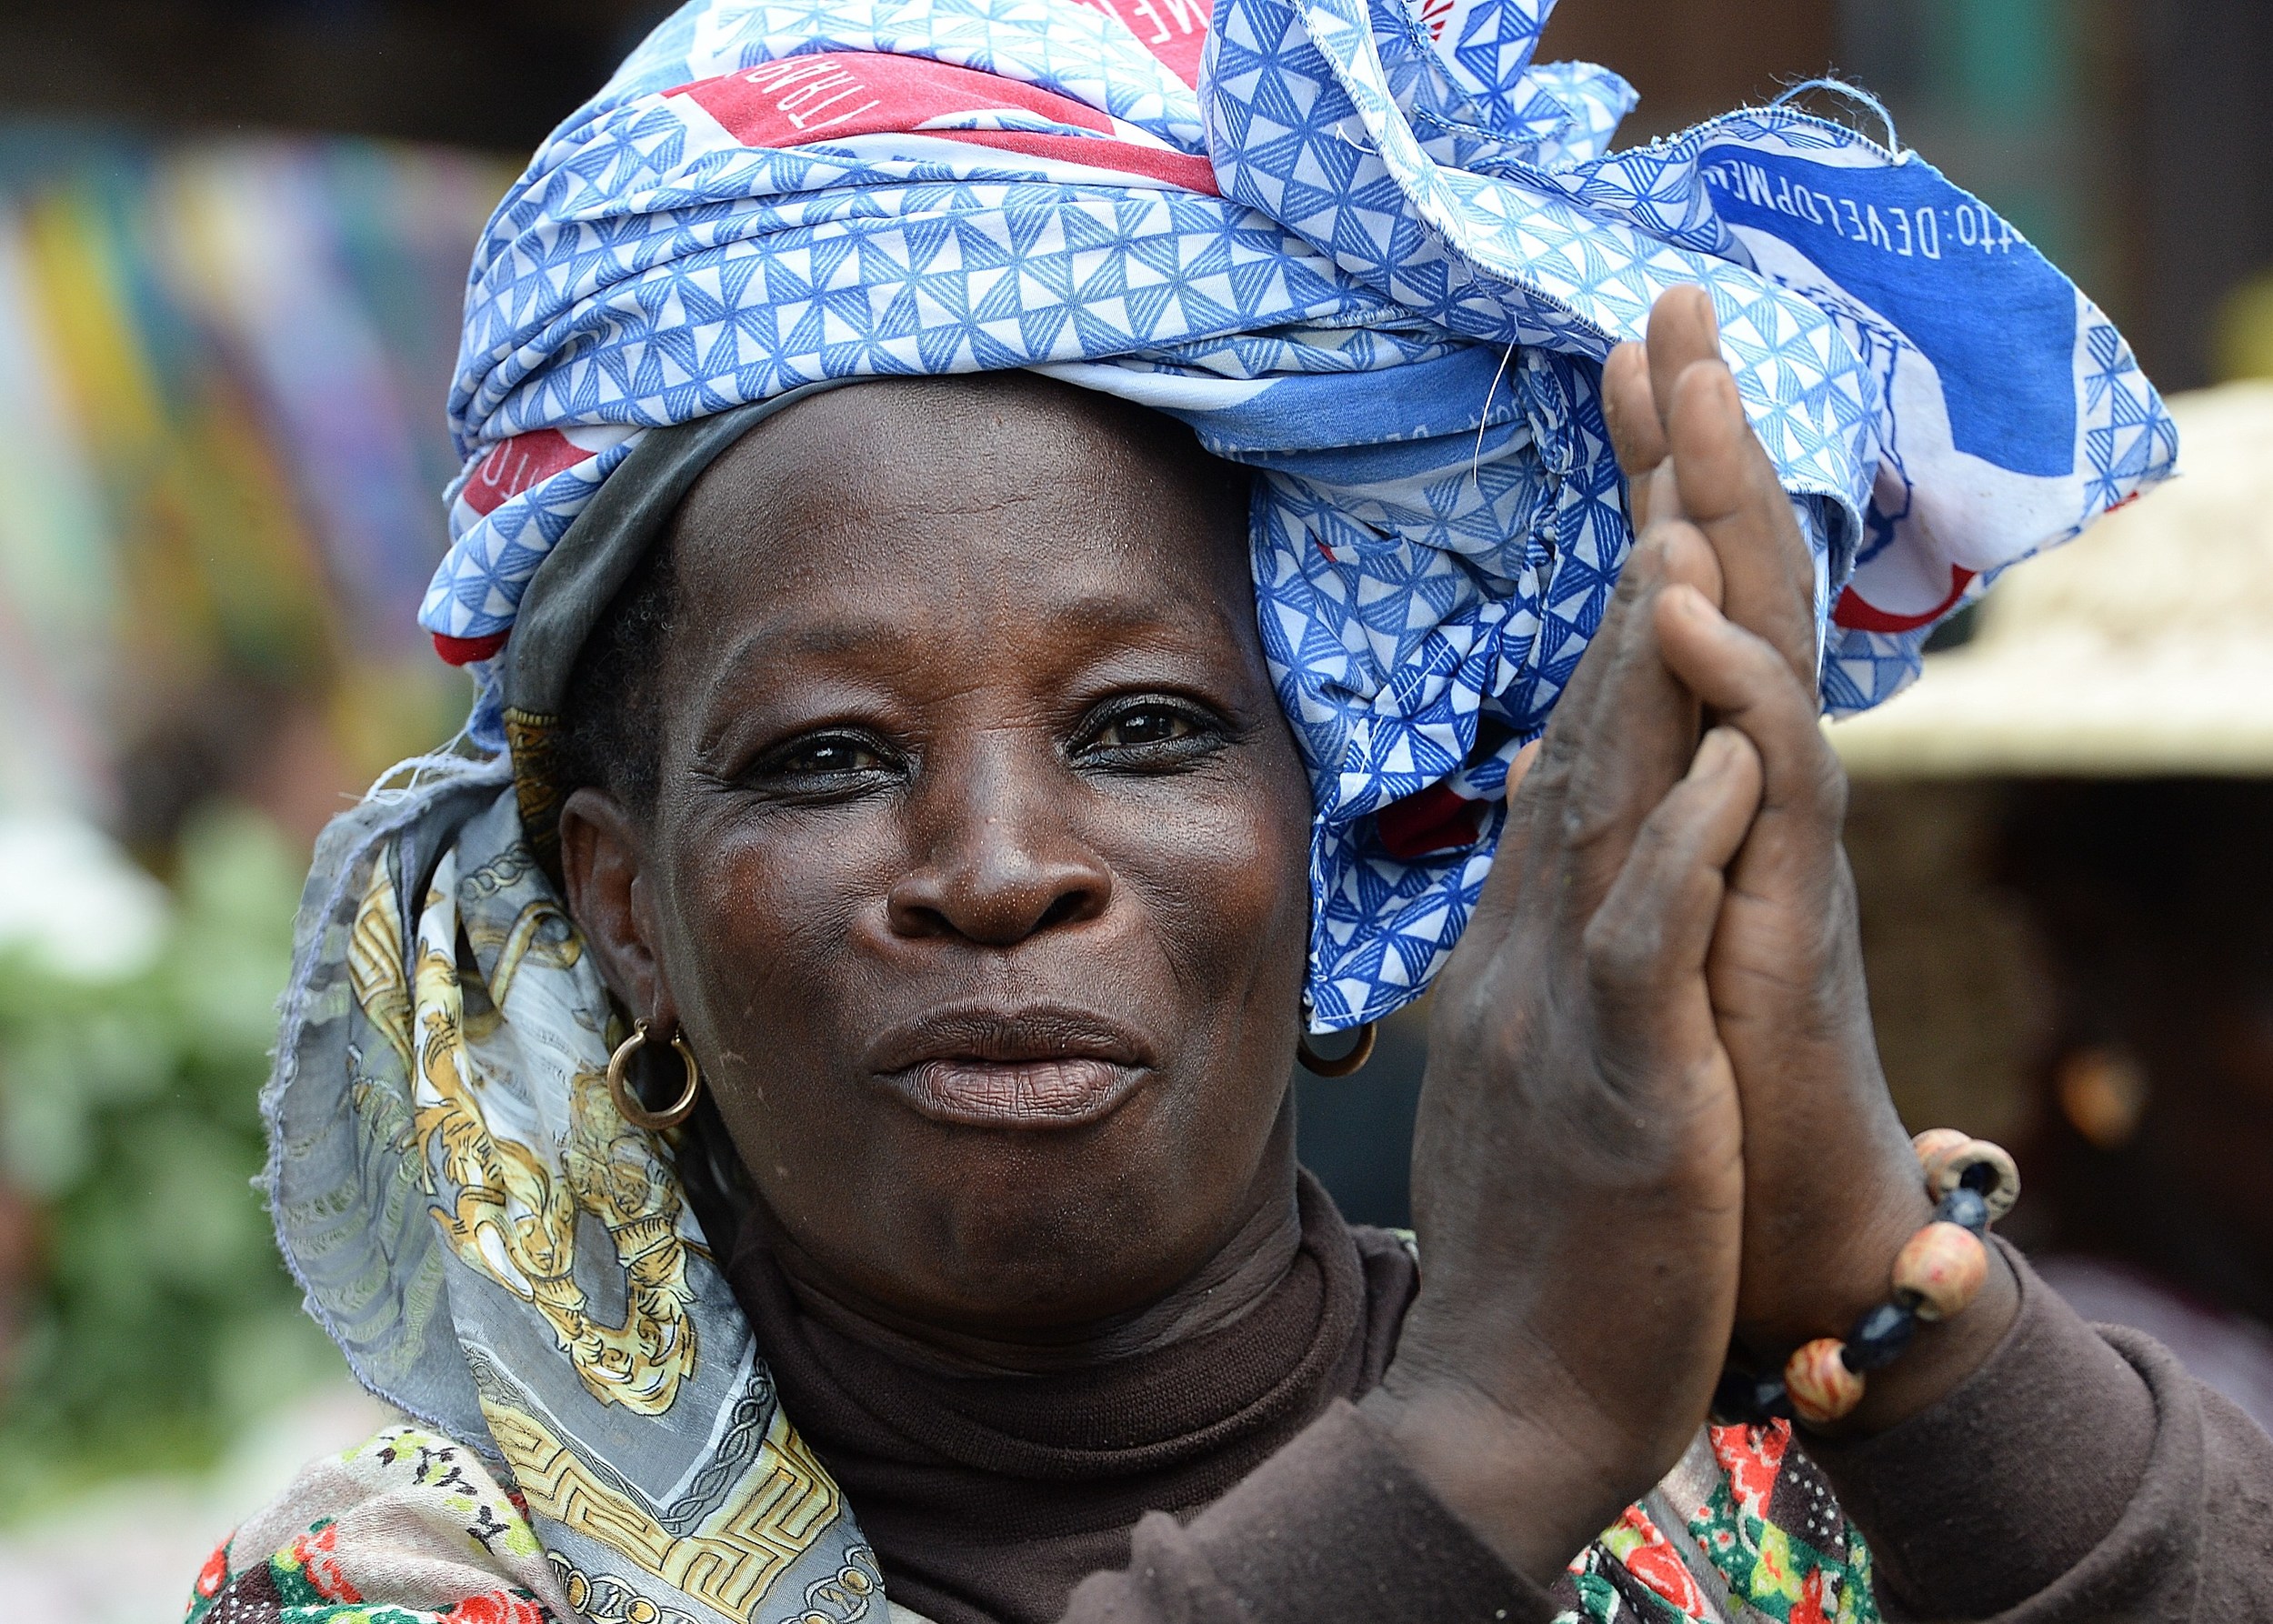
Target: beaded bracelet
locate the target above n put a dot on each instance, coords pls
(1936, 1274)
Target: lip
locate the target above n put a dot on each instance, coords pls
(1037, 1065)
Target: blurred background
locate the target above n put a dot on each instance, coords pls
(232, 239)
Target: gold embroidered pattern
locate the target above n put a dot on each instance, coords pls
(533, 739)
(453, 1063)
(498, 1204)
(764, 1522)
(375, 962)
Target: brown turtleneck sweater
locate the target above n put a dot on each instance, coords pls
(2078, 1475)
(990, 1498)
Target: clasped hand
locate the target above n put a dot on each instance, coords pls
(1654, 1127)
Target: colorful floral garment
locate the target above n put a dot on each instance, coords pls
(1745, 1529)
(406, 1528)
(412, 1528)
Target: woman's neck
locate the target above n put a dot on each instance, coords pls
(1239, 1276)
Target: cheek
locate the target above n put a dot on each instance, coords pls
(1225, 890)
(758, 945)
(758, 954)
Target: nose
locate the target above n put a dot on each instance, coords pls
(1001, 858)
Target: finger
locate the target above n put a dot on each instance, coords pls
(1682, 331)
(1641, 730)
(1500, 895)
(1728, 488)
(1629, 407)
(1750, 686)
(1619, 700)
(1520, 769)
(1655, 925)
(1637, 434)
(1536, 808)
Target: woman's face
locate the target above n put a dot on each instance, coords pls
(977, 879)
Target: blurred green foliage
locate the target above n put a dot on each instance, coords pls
(160, 1318)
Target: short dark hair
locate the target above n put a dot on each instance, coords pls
(613, 712)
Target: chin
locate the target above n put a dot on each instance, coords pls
(1009, 1228)
(1050, 1235)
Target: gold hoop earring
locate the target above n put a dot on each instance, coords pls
(1340, 1064)
(627, 1104)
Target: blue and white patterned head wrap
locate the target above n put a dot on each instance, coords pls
(1368, 249)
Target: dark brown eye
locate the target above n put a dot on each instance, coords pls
(827, 758)
(1145, 725)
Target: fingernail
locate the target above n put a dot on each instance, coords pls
(1714, 754)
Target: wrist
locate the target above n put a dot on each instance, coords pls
(1532, 1488)
(1942, 1358)
(1848, 1275)
(1949, 1298)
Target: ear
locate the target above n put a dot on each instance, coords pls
(603, 866)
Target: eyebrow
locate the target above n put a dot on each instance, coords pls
(1101, 615)
(1118, 622)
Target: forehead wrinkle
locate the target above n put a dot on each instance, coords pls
(868, 439)
(908, 547)
(798, 525)
(1097, 628)
(998, 442)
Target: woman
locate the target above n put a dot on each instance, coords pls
(916, 837)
